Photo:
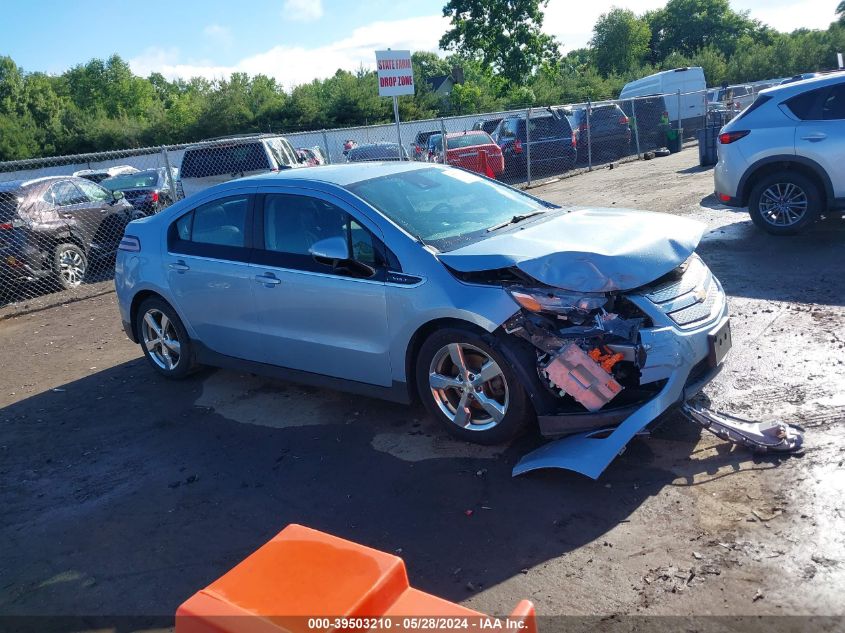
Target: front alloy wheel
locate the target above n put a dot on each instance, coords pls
(467, 380)
(468, 387)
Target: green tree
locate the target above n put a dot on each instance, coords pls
(685, 26)
(504, 35)
(620, 41)
(840, 11)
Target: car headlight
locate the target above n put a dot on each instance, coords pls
(555, 301)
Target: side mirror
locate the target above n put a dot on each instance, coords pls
(330, 250)
(118, 195)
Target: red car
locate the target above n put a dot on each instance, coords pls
(476, 151)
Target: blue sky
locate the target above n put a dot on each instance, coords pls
(292, 40)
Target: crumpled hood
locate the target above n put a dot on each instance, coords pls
(587, 249)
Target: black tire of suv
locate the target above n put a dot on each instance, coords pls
(69, 249)
(519, 414)
(811, 191)
(186, 358)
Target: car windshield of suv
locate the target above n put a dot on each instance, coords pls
(141, 180)
(467, 140)
(446, 208)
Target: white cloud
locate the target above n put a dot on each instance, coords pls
(570, 22)
(218, 34)
(303, 10)
(292, 65)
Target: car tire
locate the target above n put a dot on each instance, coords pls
(163, 338)
(499, 407)
(70, 264)
(799, 197)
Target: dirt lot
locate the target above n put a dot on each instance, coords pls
(123, 493)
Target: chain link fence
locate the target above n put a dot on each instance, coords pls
(62, 218)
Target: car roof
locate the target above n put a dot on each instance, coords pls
(340, 175)
(797, 87)
(13, 185)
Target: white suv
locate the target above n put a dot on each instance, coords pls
(784, 155)
(221, 160)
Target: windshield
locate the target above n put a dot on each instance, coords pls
(143, 179)
(447, 208)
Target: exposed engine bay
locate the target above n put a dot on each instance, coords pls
(584, 351)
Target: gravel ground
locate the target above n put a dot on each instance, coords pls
(123, 493)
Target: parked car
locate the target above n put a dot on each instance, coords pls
(411, 280)
(419, 147)
(53, 227)
(649, 114)
(434, 148)
(487, 125)
(800, 77)
(216, 161)
(688, 81)
(553, 144)
(377, 152)
(99, 175)
(475, 151)
(782, 156)
(610, 132)
(311, 156)
(147, 191)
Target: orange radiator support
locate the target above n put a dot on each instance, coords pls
(305, 581)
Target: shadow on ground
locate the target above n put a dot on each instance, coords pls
(124, 497)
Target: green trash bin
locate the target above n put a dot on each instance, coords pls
(674, 140)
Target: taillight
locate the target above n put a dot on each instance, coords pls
(130, 244)
(517, 147)
(574, 140)
(154, 196)
(623, 120)
(726, 138)
(6, 226)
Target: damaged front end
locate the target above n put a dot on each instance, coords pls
(617, 361)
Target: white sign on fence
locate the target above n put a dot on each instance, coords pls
(395, 73)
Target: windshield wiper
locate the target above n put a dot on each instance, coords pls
(514, 220)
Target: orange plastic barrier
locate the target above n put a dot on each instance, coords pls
(307, 581)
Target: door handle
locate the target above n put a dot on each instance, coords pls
(817, 136)
(268, 280)
(179, 267)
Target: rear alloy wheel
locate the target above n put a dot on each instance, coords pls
(163, 338)
(470, 388)
(784, 203)
(70, 264)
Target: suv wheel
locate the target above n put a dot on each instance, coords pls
(163, 338)
(784, 203)
(470, 387)
(70, 265)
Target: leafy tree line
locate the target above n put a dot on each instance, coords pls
(506, 59)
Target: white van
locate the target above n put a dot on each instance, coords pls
(690, 81)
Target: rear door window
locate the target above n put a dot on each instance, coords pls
(546, 127)
(217, 229)
(833, 107)
(807, 106)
